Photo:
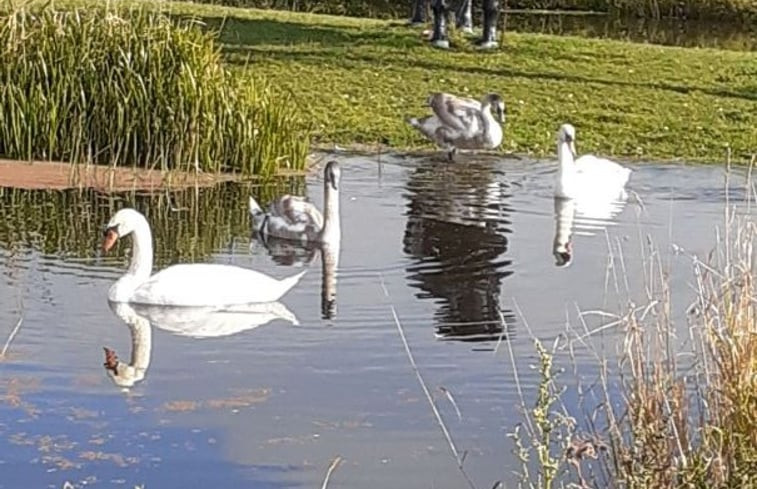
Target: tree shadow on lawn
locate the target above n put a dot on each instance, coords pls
(353, 61)
(240, 33)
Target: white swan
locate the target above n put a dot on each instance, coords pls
(194, 322)
(198, 284)
(462, 123)
(294, 218)
(587, 176)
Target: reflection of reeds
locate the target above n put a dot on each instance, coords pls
(136, 88)
(188, 224)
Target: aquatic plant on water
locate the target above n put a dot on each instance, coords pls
(137, 88)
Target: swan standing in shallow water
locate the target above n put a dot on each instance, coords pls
(463, 123)
(587, 176)
(295, 219)
(198, 284)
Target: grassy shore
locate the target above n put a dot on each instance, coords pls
(357, 79)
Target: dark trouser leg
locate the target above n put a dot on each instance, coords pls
(465, 16)
(491, 14)
(419, 12)
(439, 39)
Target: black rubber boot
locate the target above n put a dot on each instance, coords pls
(419, 12)
(439, 39)
(465, 17)
(491, 14)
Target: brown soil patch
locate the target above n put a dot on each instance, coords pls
(58, 176)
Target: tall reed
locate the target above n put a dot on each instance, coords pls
(694, 425)
(680, 409)
(137, 88)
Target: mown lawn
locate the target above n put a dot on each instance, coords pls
(359, 78)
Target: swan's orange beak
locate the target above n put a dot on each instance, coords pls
(111, 360)
(110, 238)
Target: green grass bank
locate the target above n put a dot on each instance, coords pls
(357, 79)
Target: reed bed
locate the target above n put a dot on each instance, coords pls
(679, 409)
(137, 88)
(187, 225)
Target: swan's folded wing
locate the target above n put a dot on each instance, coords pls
(462, 114)
(297, 210)
(603, 170)
(207, 284)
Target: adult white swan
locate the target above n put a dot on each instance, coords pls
(463, 123)
(294, 218)
(198, 284)
(587, 176)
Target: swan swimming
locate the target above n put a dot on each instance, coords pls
(587, 176)
(294, 218)
(462, 123)
(197, 284)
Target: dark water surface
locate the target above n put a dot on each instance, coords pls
(269, 403)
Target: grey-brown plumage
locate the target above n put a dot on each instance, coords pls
(463, 123)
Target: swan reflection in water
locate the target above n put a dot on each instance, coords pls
(457, 221)
(292, 230)
(583, 216)
(287, 253)
(193, 322)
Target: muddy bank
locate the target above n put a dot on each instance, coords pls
(59, 176)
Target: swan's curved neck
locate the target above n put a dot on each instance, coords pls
(126, 375)
(565, 156)
(564, 215)
(140, 267)
(331, 232)
(329, 264)
(141, 346)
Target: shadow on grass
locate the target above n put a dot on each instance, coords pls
(330, 57)
(236, 32)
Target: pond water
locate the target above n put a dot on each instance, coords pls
(465, 253)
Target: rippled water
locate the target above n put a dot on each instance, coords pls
(466, 253)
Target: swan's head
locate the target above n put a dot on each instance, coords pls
(497, 105)
(563, 254)
(123, 375)
(332, 175)
(567, 135)
(121, 224)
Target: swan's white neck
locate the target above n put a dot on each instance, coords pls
(329, 265)
(331, 232)
(565, 157)
(141, 347)
(140, 267)
(566, 176)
